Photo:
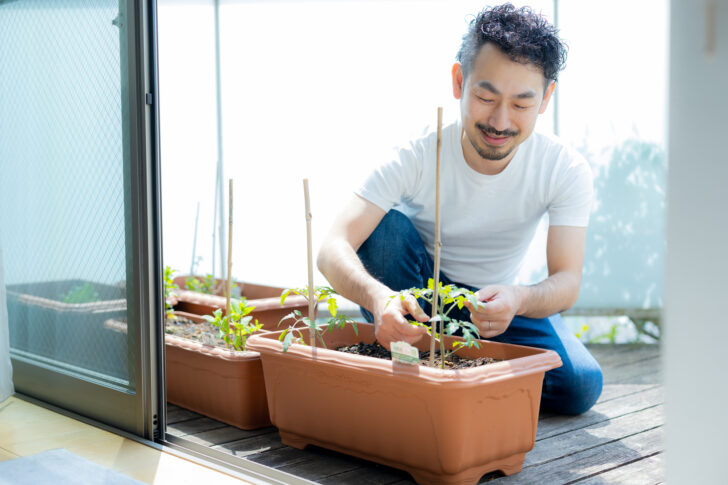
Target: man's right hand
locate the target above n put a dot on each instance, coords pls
(390, 324)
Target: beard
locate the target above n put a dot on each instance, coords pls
(490, 153)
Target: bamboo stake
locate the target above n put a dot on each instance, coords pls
(230, 251)
(438, 245)
(311, 303)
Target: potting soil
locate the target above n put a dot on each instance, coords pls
(453, 361)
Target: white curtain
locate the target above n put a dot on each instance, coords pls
(6, 371)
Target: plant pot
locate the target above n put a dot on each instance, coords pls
(222, 384)
(219, 383)
(265, 299)
(440, 426)
(42, 324)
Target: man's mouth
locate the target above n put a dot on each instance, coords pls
(495, 140)
(494, 137)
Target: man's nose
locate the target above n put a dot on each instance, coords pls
(499, 118)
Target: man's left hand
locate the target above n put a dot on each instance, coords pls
(500, 304)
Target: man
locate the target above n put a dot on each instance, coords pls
(498, 178)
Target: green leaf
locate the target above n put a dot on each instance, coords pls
(332, 306)
(287, 341)
(284, 295)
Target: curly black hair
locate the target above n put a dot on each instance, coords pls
(521, 34)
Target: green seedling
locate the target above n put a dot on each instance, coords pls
(201, 285)
(85, 293)
(169, 293)
(449, 297)
(236, 327)
(293, 334)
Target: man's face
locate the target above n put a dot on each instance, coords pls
(500, 101)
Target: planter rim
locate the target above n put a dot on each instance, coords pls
(260, 304)
(540, 361)
(211, 350)
(89, 307)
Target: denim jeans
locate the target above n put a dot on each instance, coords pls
(395, 255)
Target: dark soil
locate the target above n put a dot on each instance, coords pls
(453, 361)
(199, 332)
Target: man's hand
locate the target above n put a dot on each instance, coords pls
(501, 304)
(390, 325)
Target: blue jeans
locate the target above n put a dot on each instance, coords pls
(395, 255)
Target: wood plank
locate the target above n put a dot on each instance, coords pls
(175, 414)
(252, 445)
(373, 474)
(599, 434)
(609, 355)
(600, 413)
(326, 464)
(613, 391)
(643, 372)
(647, 471)
(280, 457)
(226, 434)
(192, 426)
(588, 463)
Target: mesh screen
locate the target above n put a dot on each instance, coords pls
(62, 204)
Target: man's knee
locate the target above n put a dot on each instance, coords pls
(573, 388)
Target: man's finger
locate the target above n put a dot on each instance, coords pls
(414, 309)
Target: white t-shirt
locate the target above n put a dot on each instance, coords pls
(487, 222)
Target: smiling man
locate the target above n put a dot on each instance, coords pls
(498, 178)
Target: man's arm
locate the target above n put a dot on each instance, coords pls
(338, 262)
(565, 257)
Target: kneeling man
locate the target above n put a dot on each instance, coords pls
(498, 178)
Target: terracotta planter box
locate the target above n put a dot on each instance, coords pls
(42, 324)
(219, 383)
(440, 426)
(265, 299)
(222, 384)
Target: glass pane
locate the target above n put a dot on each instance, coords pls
(613, 108)
(62, 183)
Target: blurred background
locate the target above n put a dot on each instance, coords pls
(275, 91)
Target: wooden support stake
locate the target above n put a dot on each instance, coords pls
(230, 250)
(438, 245)
(311, 295)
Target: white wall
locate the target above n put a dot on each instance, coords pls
(696, 319)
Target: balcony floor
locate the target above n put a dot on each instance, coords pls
(620, 440)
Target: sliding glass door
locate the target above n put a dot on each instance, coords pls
(78, 206)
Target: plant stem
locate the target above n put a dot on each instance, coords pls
(230, 251)
(311, 295)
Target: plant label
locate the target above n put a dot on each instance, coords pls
(405, 353)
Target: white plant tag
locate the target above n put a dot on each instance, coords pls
(405, 353)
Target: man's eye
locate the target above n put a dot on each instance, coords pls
(485, 100)
(518, 106)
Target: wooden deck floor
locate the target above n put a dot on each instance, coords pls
(620, 440)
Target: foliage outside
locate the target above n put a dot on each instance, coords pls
(204, 284)
(169, 293)
(85, 293)
(236, 327)
(293, 334)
